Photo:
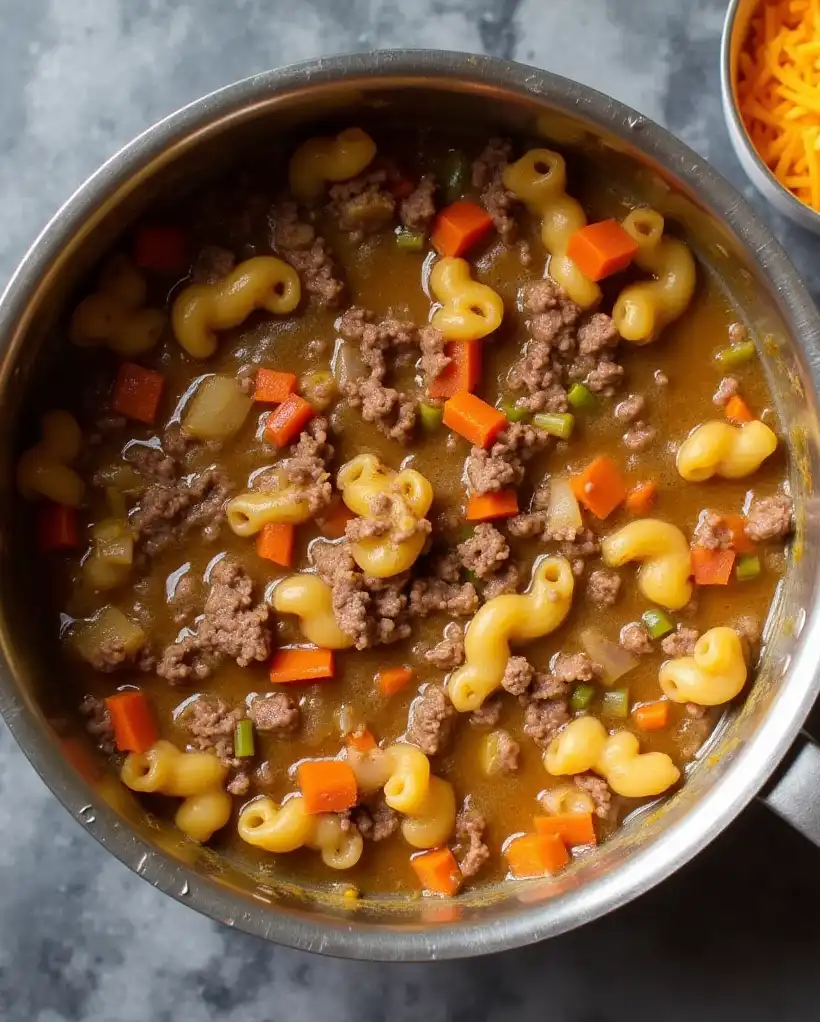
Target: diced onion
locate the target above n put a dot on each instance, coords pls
(563, 512)
(218, 409)
(613, 659)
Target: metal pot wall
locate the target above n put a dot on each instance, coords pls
(211, 134)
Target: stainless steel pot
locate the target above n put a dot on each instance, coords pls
(728, 238)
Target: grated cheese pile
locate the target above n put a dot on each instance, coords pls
(778, 91)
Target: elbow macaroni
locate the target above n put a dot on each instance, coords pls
(539, 179)
(250, 512)
(311, 600)
(114, 315)
(199, 310)
(469, 310)
(399, 500)
(372, 767)
(717, 448)
(265, 824)
(320, 160)
(714, 675)
(584, 745)
(642, 310)
(44, 470)
(663, 576)
(511, 618)
(196, 777)
(434, 821)
(406, 788)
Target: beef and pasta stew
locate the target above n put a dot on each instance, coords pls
(410, 510)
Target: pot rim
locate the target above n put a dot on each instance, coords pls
(753, 764)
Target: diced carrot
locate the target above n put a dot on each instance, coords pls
(737, 410)
(137, 392)
(327, 785)
(275, 543)
(600, 487)
(736, 524)
(160, 248)
(459, 226)
(135, 729)
(534, 855)
(437, 871)
(473, 418)
(463, 372)
(712, 567)
(273, 386)
(299, 664)
(57, 528)
(481, 507)
(286, 422)
(362, 740)
(601, 249)
(393, 679)
(333, 520)
(652, 716)
(401, 187)
(573, 828)
(641, 498)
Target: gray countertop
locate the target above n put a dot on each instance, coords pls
(82, 938)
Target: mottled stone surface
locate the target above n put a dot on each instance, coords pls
(734, 935)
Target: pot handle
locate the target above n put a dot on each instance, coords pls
(795, 794)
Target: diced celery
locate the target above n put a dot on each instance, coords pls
(581, 698)
(582, 397)
(748, 566)
(513, 412)
(410, 241)
(616, 703)
(430, 415)
(455, 173)
(243, 739)
(736, 355)
(657, 623)
(558, 424)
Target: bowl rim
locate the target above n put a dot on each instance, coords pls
(752, 765)
(798, 210)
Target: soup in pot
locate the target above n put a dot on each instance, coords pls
(410, 512)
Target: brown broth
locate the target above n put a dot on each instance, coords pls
(385, 279)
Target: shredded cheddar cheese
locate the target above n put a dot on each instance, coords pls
(778, 91)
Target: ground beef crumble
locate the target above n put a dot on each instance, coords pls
(231, 627)
(518, 675)
(362, 205)
(505, 581)
(375, 820)
(727, 388)
(507, 752)
(485, 551)
(174, 504)
(681, 642)
(635, 639)
(502, 465)
(544, 718)
(449, 653)
(298, 243)
(566, 346)
(603, 587)
(212, 264)
(499, 201)
(488, 714)
(416, 212)
(306, 468)
(711, 532)
(98, 723)
(769, 518)
(276, 713)
(470, 849)
(598, 791)
(431, 720)
(211, 723)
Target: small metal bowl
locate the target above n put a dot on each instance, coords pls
(735, 27)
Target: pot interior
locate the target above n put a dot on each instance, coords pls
(201, 143)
